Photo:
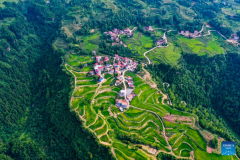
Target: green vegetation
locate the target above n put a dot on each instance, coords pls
(139, 42)
(97, 124)
(2, 5)
(185, 153)
(145, 94)
(168, 55)
(86, 82)
(79, 74)
(105, 138)
(82, 90)
(101, 130)
(120, 155)
(108, 82)
(214, 142)
(170, 124)
(144, 86)
(195, 135)
(85, 78)
(198, 47)
(43, 45)
(106, 94)
(107, 76)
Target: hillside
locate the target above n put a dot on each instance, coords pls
(149, 126)
(179, 59)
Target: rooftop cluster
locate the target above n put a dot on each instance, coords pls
(116, 33)
(195, 34)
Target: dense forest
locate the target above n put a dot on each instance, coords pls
(36, 122)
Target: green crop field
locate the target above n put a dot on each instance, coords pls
(105, 138)
(90, 41)
(106, 94)
(86, 69)
(135, 79)
(97, 124)
(120, 155)
(145, 94)
(79, 74)
(85, 78)
(170, 124)
(169, 55)
(108, 82)
(82, 90)
(90, 115)
(185, 153)
(83, 58)
(143, 120)
(195, 135)
(107, 76)
(102, 130)
(109, 99)
(75, 102)
(72, 57)
(86, 82)
(199, 47)
(174, 138)
(74, 63)
(144, 87)
(139, 42)
(138, 83)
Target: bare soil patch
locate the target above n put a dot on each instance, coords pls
(149, 149)
(170, 118)
(173, 118)
(209, 149)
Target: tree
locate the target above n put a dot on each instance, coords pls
(214, 142)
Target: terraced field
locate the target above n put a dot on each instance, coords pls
(146, 123)
(139, 42)
(169, 55)
(200, 48)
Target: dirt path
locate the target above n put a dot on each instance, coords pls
(153, 85)
(135, 28)
(149, 62)
(164, 132)
(164, 37)
(113, 152)
(93, 122)
(149, 97)
(124, 84)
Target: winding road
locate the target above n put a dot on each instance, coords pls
(165, 38)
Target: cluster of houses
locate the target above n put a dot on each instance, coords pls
(116, 33)
(99, 66)
(124, 104)
(130, 82)
(195, 34)
(234, 37)
(161, 42)
(149, 28)
(120, 64)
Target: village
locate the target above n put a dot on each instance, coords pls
(188, 34)
(116, 33)
(119, 66)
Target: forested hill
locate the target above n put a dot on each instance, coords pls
(34, 116)
(36, 36)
